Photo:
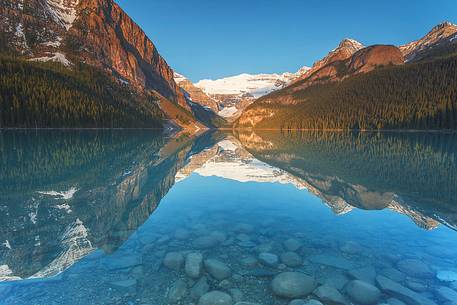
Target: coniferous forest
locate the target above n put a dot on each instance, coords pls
(49, 95)
(412, 96)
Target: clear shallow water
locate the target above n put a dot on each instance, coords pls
(96, 217)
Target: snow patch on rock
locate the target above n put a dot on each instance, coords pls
(63, 11)
(54, 57)
(228, 112)
(64, 195)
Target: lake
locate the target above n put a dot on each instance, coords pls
(136, 217)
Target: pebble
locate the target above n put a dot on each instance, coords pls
(200, 288)
(292, 285)
(338, 281)
(366, 274)
(215, 298)
(363, 293)
(236, 294)
(249, 261)
(217, 269)
(447, 276)
(269, 259)
(177, 292)
(193, 265)
(292, 244)
(393, 274)
(329, 295)
(173, 260)
(405, 294)
(291, 259)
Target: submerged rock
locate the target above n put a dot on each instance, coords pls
(393, 274)
(249, 261)
(215, 298)
(217, 269)
(291, 259)
(193, 265)
(199, 288)
(177, 292)
(269, 259)
(292, 285)
(363, 293)
(236, 294)
(338, 281)
(447, 276)
(332, 261)
(292, 244)
(393, 301)
(366, 274)
(329, 295)
(415, 268)
(405, 294)
(173, 260)
(446, 294)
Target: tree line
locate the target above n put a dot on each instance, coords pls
(413, 96)
(48, 95)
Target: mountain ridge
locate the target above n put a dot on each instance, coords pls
(335, 93)
(99, 34)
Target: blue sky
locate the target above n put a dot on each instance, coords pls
(216, 38)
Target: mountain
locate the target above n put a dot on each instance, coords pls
(345, 50)
(98, 34)
(368, 88)
(441, 39)
(230, 96)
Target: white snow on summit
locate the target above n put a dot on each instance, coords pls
(63, 11)
(256, 85)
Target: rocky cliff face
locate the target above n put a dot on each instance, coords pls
(444, 35)
(94, 32)
(196, 94)
(362, 61)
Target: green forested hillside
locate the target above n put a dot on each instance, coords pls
(413, 96)
(50, 95)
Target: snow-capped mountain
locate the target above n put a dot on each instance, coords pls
(442, 35)
(233, 94)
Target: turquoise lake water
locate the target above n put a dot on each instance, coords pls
(135, 217)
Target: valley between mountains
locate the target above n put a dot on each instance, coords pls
(87, 64)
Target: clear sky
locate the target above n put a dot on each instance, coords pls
(218, 38)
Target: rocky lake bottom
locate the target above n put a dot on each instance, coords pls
(133, 218)
(214, 241)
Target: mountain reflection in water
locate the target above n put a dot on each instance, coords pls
(78, 198)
